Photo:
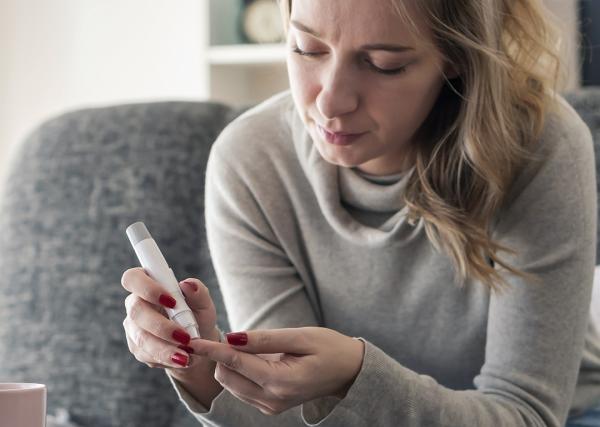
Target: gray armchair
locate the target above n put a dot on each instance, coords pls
(76, 183)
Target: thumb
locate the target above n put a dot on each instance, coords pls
(285, 340)
(196, 294)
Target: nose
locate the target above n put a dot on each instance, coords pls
(338, 95)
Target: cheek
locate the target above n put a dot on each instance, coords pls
(401, 112)
(303, 81)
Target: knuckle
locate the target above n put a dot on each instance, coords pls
(263, 340)
(279, 391)
(139, 337)
(164, 356)
(135, 309)
(129, 299)
(126, 276)
(235, 362)
(156, 326)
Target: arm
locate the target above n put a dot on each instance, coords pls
(260, 286)
(535, 332)
(524, 381)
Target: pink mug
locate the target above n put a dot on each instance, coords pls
(22, 405)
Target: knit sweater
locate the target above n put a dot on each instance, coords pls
(297, 241)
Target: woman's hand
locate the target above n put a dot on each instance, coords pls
(152, 337)
(281, 368)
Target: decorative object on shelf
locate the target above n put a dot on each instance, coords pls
(261, 21)
(224, 22)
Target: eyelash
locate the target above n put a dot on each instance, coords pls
(393, 72)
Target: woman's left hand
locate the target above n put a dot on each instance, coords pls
(278, 369)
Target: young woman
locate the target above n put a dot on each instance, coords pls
(405, 238)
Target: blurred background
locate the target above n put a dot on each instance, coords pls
(60, 55)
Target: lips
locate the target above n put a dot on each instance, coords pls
(339, 138)
(340, 133)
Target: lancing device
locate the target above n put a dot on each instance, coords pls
(156, 266)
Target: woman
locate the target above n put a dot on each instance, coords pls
(406, 237)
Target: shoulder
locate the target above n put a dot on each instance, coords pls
(565, 130)
(259, 135)
(564, 154)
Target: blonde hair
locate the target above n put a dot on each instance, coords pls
(487, 121)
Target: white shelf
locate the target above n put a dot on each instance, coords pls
(238, 74)
(247, 54)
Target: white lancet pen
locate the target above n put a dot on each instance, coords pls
(156, 266)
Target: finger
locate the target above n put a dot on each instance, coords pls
(145, 316)
(197, 294)
(138, 282)
(242, 388)
(151, 349)
(197, 297)
(140, 355)
(249, 365)
(285, 340)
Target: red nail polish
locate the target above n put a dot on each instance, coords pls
(192, 284)
(167, 301)
(186, 348)
(180, 359)
(237, 338)
(181, 336)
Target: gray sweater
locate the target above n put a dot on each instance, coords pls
(297, 241)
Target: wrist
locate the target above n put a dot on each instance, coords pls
(359, 353)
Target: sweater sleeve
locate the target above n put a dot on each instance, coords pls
(260, 286)
(535, 332)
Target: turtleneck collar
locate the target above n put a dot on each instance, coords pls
(337, 187)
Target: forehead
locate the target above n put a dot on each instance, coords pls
(361, 21)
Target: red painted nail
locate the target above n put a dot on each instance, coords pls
(192, 284)
(180, 359)
(186, 348)
(237, 338)
(167, 300)
(182, 336)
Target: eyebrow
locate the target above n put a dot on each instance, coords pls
(374, 46)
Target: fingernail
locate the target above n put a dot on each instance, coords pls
(180, 359)
(167, 300)
(182, 336)
(186, 348)
(237, 338)
(192, 284)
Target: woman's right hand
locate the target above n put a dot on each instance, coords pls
(152, 337)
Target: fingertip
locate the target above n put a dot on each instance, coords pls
(190, 284)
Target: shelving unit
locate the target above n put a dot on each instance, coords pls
(239, 73)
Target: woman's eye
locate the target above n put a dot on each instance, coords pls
(392, 71)
(375, 68)
(303, 53)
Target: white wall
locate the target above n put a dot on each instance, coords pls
(57, 55)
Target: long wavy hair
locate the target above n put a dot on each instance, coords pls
(487, 122)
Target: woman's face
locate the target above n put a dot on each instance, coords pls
(368, 76)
